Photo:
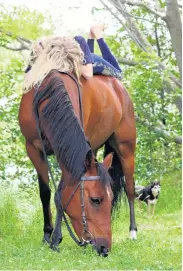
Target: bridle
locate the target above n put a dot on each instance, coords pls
(86, 235)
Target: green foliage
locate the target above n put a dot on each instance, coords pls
(153, 105)
(20, 21)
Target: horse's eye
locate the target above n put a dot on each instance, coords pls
(96, 201)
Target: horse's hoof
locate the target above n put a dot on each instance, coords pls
(60, 240)
(133, 235)
(55, 248)
(56, 241)
(46, 239)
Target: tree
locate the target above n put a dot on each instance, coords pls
(171, 17)
(150, 39)
(18, 26)
(150, 74)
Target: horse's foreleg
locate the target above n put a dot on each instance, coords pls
(45, 192)
(126, 151)
(57, 233)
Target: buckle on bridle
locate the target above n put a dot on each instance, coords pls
(86, 237)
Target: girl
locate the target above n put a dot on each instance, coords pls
(94, 64)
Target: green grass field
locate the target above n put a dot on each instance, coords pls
(158, 246)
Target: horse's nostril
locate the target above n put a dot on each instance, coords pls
(103, 251)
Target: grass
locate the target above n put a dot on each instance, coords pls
(158, 246)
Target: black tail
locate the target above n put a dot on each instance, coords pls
(116, 172)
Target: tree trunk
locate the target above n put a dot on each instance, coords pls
(173, 21)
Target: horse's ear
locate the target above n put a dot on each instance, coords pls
(88, 159)
(108, 160)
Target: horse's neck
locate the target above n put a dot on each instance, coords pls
(67, 178)
(72, 89)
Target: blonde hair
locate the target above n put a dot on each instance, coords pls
(60, 53)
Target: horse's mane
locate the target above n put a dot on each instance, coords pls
(61, 126)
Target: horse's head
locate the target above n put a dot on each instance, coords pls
(88, 204)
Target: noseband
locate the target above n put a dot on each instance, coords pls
(86, 235)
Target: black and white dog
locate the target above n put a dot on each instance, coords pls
(148, 194)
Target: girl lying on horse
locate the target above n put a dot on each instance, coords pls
(92, 63)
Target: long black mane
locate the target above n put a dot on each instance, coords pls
(61, 127)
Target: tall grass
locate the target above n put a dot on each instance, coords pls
(158, 246)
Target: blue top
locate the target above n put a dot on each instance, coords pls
(84, 47)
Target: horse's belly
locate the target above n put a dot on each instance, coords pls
(97, 141)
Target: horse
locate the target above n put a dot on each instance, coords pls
(73, 130)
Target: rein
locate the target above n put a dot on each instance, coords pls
(86, 236)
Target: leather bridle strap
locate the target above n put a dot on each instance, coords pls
(65, 208)
(90, 178)
(83, 178)
(83, 214)
(74, 238)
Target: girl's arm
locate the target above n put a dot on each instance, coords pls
(87, 71)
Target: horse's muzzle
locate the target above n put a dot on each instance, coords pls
(103, 251)
(101, 246)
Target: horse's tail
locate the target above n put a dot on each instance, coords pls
(117, 175)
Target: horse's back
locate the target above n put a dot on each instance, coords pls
(106, 91)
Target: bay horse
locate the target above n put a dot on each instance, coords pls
(108, 119)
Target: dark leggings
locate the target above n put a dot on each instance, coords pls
(107, 64)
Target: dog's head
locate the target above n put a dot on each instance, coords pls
(156, 188)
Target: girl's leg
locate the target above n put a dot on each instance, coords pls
(107, 55)
(90, 43)
(103, 67)
(96, 31)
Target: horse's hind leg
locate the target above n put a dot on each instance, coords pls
(124, 144)
(127, 161)
(45, 192)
